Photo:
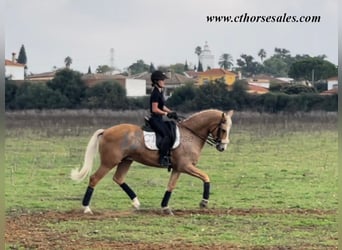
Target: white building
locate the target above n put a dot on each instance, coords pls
(332, 83)
(135, 87)
(14, 70)
(206, 58)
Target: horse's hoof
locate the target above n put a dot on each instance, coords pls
(136, 203)
(87, 210)
(204, 203)
(167, 211)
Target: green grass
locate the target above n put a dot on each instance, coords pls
(254, 230)
(271, 167)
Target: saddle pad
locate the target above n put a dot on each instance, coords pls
(151, 140)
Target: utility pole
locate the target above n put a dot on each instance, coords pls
(111, 61)
(312, 77)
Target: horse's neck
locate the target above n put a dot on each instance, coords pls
(202, 122)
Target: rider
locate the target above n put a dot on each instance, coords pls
(158, 110)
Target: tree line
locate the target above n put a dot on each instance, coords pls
(67, 90)
(290, 98)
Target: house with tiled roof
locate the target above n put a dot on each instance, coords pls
(14, 70)
(257, 90)
(263, 80)
(41, 77)
(215, 74)
(174, 81)
(333, 91)
(133, 87)
(332, 83)
(191, 74)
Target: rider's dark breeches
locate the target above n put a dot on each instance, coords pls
(161, 128)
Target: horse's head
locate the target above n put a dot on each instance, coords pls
(221, 132)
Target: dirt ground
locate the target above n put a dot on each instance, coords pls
(30, 230)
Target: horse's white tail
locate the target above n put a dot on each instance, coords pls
(92, 147)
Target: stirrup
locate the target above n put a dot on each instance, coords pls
(165, 162)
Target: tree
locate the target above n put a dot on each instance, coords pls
(68, 62)
(314, 66)
(182, 95)
(152, 68)
(200, 67)
(186, 66)
(279, 63)
(283, 53)
(276, 66)
(198, 51)
(89, 70)
(138, 67)
(102, 69)
(248, 66)
(262, 54)
(226, 61)
(212, 95)
(177, 68)
(22, 58)
(70, 85)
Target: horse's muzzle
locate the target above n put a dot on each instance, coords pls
(221, 147)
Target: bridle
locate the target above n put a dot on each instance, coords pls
(218, 140)
(212, 141)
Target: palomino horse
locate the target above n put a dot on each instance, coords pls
(122, 144)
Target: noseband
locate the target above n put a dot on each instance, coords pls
(215, 141)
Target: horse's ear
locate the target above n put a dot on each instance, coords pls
(230, 113)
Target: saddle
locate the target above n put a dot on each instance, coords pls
(152, 139)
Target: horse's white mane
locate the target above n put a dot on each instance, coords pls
(199, 113)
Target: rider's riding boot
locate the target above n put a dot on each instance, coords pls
(165, 161)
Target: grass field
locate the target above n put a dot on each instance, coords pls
(274, 188)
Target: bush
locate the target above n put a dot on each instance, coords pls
(38, 96)
(108, 95)
(10, 93)
(298, 89)
(181, 95)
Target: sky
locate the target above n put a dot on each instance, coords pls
(161, 32)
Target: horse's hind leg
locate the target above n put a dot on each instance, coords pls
(93, 180)
(119, 178)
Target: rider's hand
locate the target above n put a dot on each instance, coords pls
(172, 115)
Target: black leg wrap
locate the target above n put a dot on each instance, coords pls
(128, 190)
(166, 199)
(87, 196)
(206, 190)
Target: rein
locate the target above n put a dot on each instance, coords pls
(209, 139)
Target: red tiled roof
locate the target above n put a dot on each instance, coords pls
(40, 75)
(253, 89)
(192, 73)
(10, 63)
(217, 72)
(333, 91)
(333, 78)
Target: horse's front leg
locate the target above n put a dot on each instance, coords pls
(194, 171)
(170, 187)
